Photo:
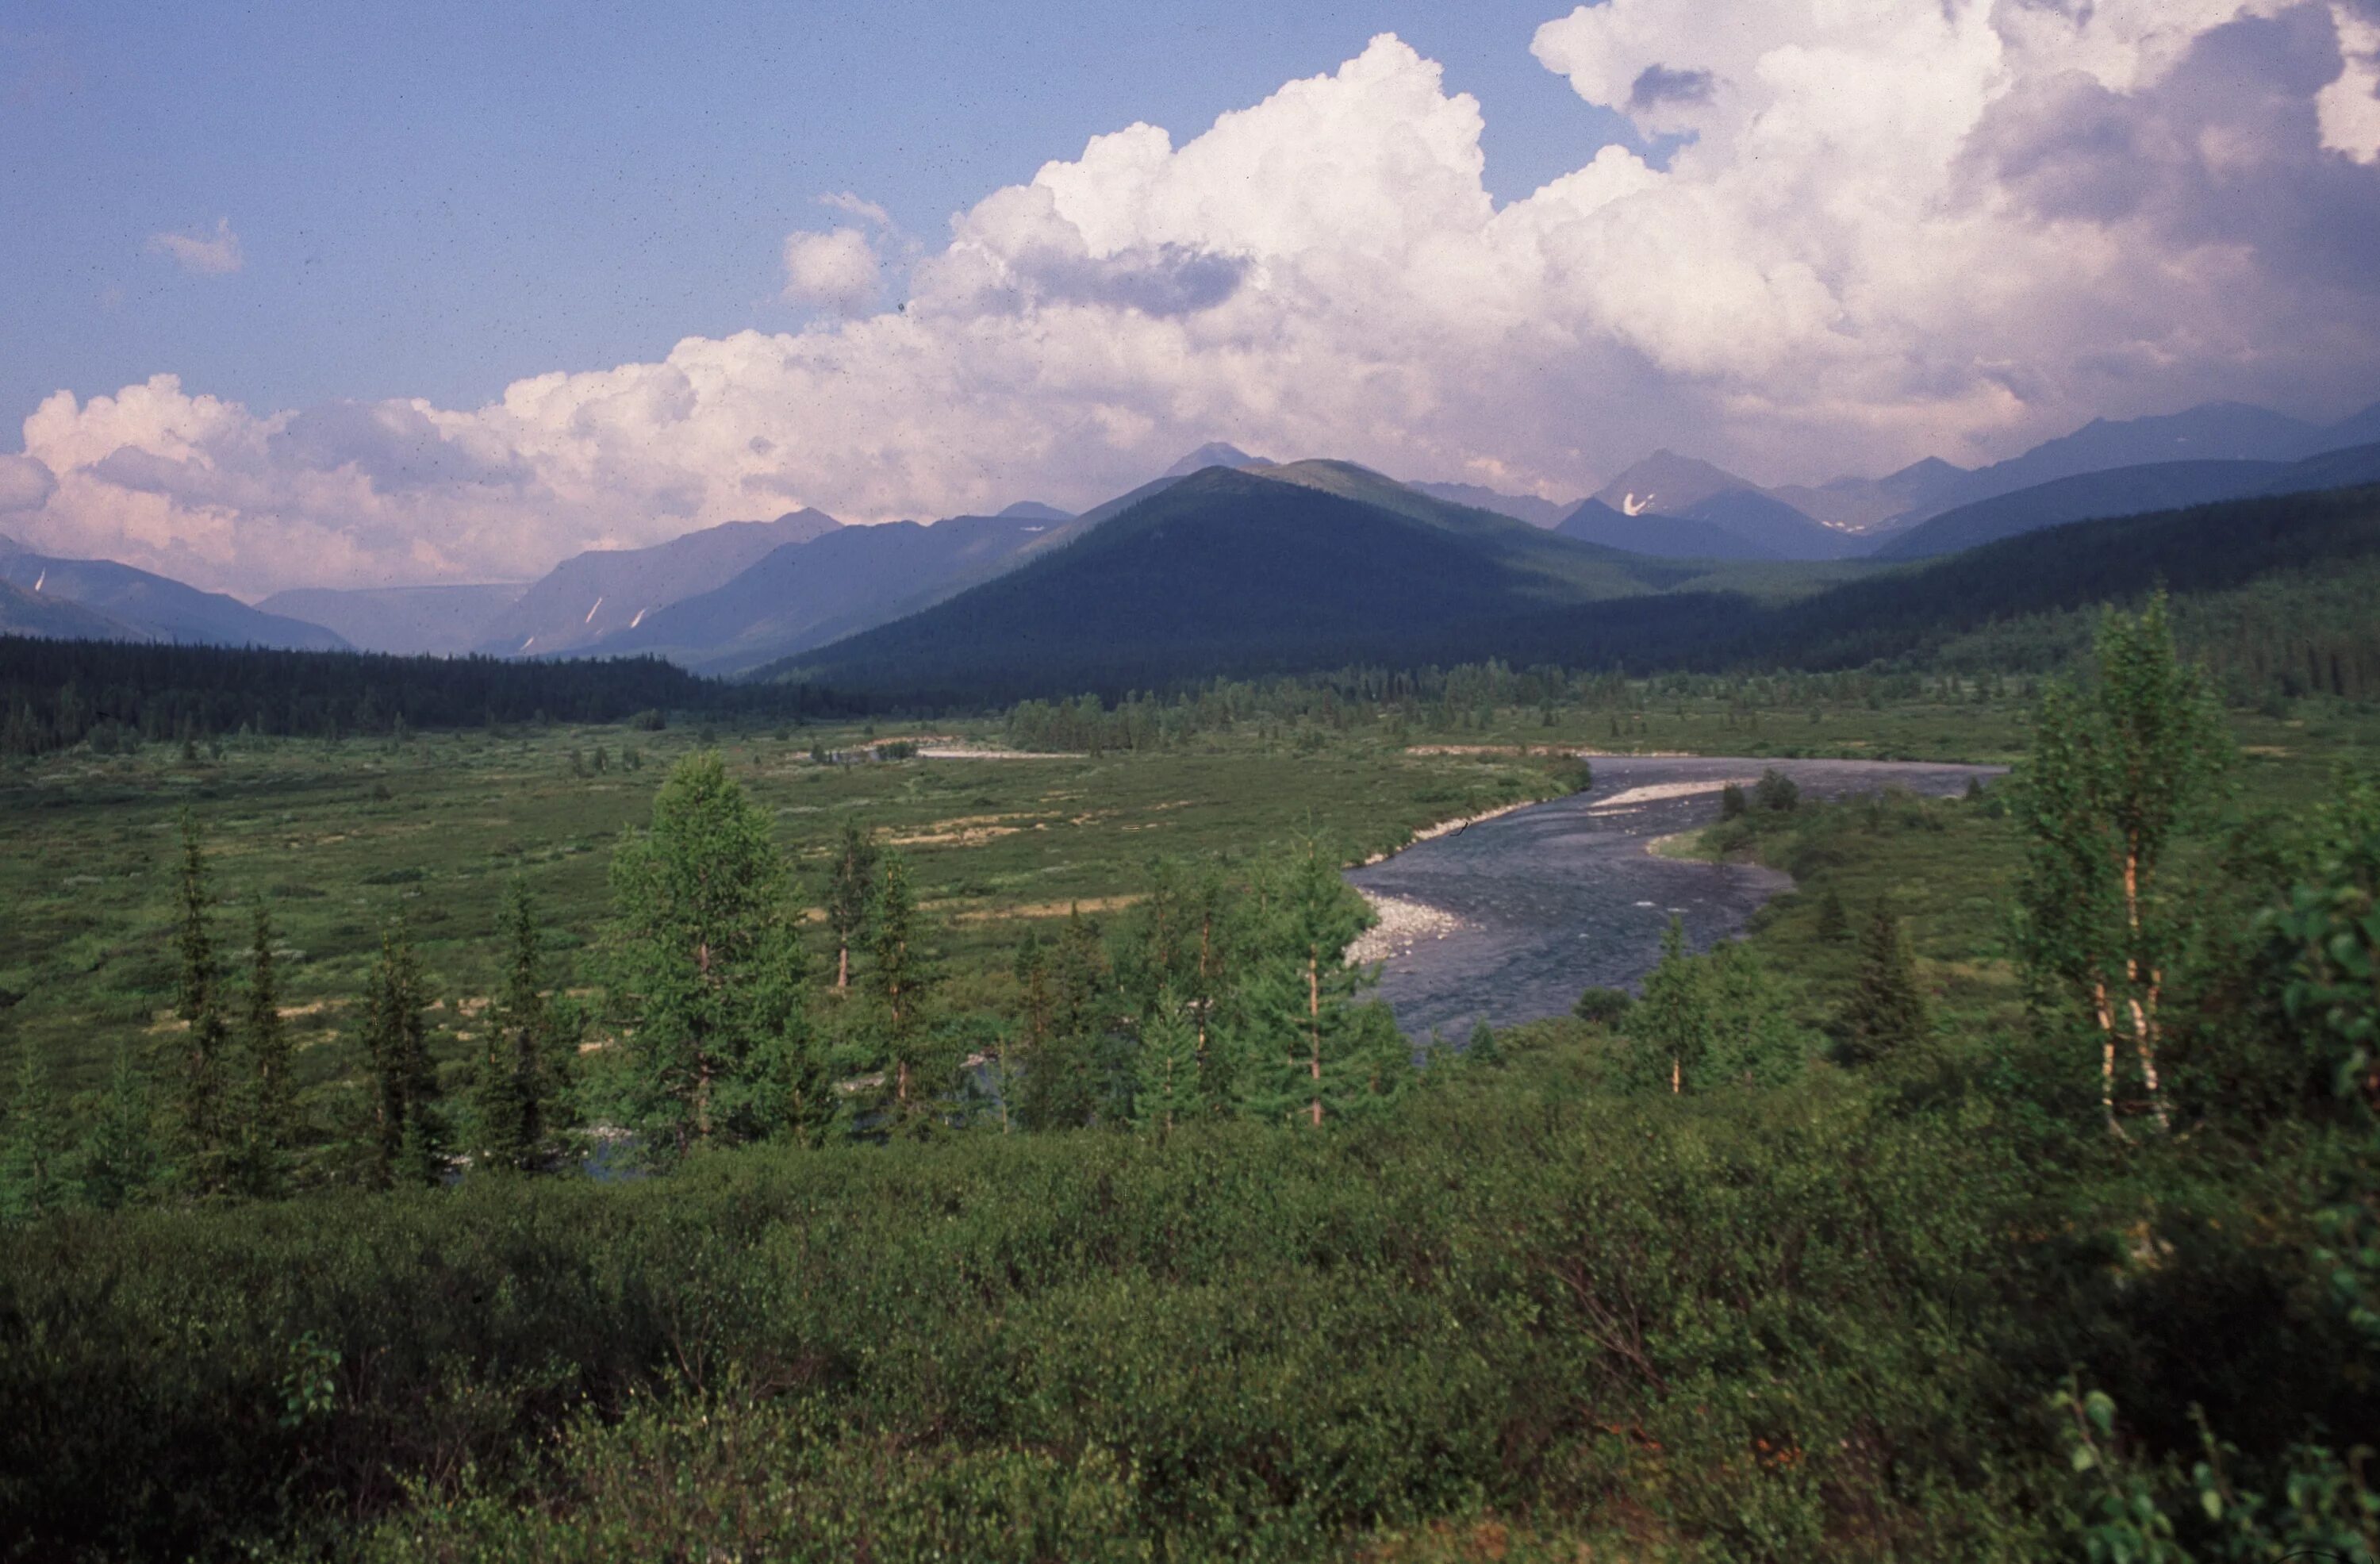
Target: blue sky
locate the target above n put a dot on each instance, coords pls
(327, 295)
(432, 200)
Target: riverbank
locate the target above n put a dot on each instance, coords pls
(1545, 900)
(1401, 924)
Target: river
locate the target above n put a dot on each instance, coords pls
(1550, 899)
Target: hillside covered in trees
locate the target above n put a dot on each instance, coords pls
(1155, 600)
(54, 694)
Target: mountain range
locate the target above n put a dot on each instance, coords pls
(409, 621)
(140, 605)
(2128, 491)
(604, 591)
(784, 594)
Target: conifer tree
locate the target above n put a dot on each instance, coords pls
(1834, 923)
(1037, 1020)
(702, 964)
(851, 892)
(1885, 1011)
(1191, 934)
(1668, 1029)
(32, 1146)
(898, 982)
(2118, 770)
(1304, 1025)
(1483, 1049)
(1165, 1072)
(410, 1133)
(1386, 1060)
(121, 1166)
(268, 1129)
(205, 1132)
(508, 1084)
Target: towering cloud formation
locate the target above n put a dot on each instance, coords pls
(1882, 227)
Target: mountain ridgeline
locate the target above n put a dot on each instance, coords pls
(101, 598)
(748, 597)
(1247, 573)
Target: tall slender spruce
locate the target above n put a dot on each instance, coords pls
(32, 1145)
(1885, 1011)
(268, 1129)
(121, 1163)
(897, 983)
(1165, 1070)
(508, 1085)
(204, 1109)
(410, 1132)
(851, 894)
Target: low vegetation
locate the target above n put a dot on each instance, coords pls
(1895, 1229)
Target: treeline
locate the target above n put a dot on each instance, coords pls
(1465, 698)
(54, 694)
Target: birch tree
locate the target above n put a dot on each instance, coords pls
(2120, 767)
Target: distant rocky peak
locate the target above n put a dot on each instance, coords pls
(1215, 453)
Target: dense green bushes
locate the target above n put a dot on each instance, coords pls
(1496, 1296)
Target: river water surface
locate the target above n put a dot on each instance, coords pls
(1561, 896)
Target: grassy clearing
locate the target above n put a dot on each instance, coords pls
(337, 837)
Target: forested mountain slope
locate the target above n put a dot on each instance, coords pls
(1230, 576)
(1317, 562)
(2128, 491)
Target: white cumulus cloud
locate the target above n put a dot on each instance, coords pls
(1885, 228)
(209, 254)
(838, 270)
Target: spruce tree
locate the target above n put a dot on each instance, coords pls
(1483, 1049)
(1165, 1070)
(851, 891)
(898, 981)
(32, 1146)
(121, 1166)
(1078, 1075)
(508, 1071)
(1885, 1011)
(409, 1131)
(1304, 1030)
(205, 1132)
(1834, 923)
(1037, 1020)
(1190, 934)
(268, 1129)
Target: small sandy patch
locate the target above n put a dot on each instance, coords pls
(1659, 790)
(1402, 924)
(1048, 909)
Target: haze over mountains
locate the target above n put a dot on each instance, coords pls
(749, 597)
(143, 606)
